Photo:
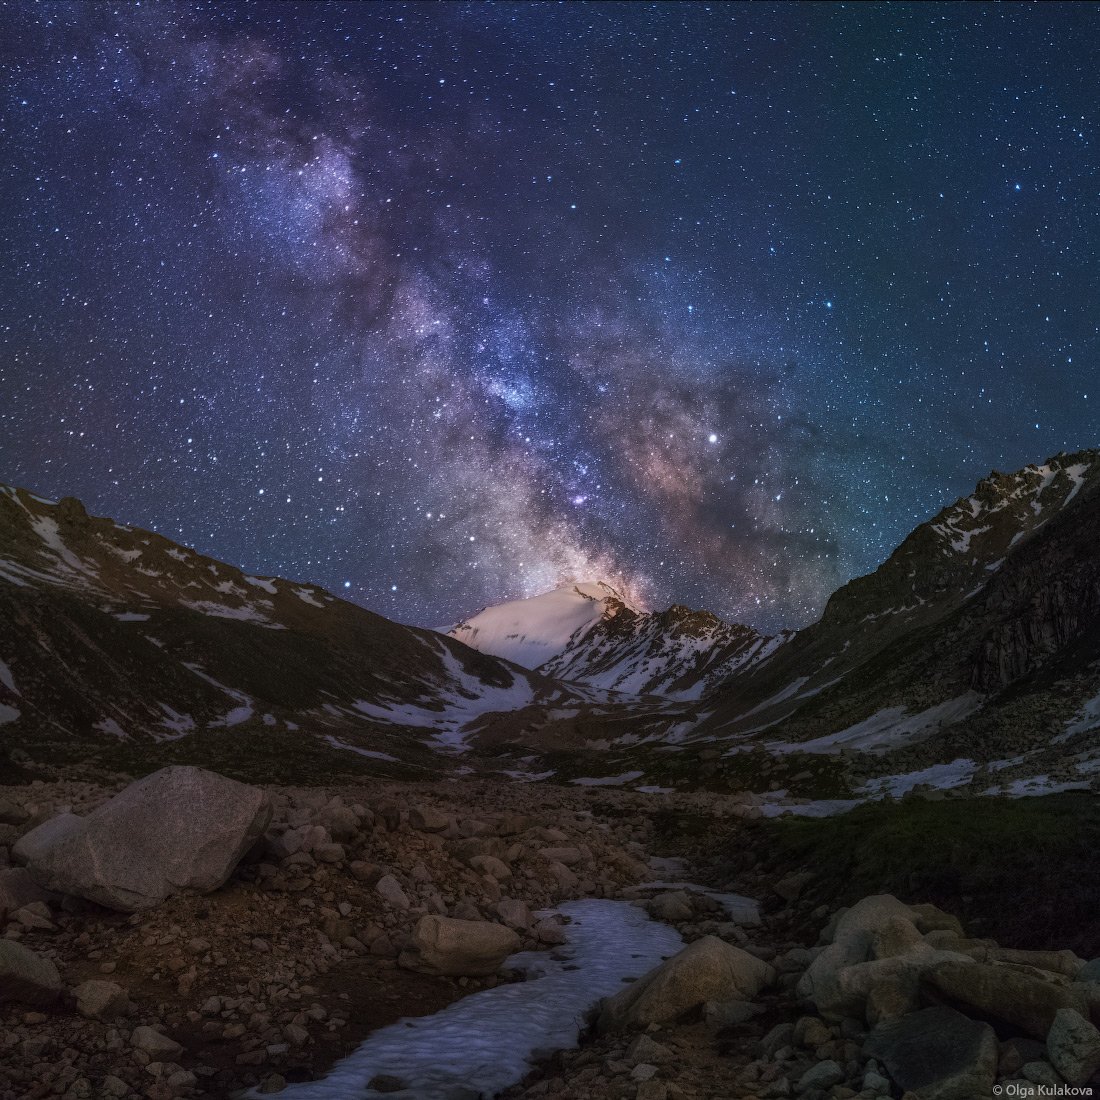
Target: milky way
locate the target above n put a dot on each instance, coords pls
(438, 305)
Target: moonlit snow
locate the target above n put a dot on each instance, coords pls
(485, 1042)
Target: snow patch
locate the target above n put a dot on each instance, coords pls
(8, 714)
(373, 754)
(886, 729)
(264, 583)
(131, 617)
(608, 780)
(485, 1042)
(940, 776)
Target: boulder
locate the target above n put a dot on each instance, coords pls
(514, 913)
(470, 948)
(181, 828)
(1027, 1002)
(390, 890)
(673, 905)
(26, 977)
(427, 819)
(34, 845)
(852, 941)
(99, 1000)
(159, 1047)
(1073, 1046)
(936, 1054)
(17, 889)
(706, 970)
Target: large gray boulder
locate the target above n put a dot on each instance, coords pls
(853, 941)
(936, 1054)
(459, 948)
(707, 970)
(1073, 1045)
(181, 828)
(1024, 1000)
(26, 977)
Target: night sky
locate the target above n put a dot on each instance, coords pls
(438, 304)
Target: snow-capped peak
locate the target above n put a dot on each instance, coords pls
(531, 631)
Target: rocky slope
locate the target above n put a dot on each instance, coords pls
(976, 639)
(117, 639)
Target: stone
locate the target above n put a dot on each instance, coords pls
(25, 977)
(514, 913)
(645, 1049)
(568, 856)
(706, 970)
(458, 948)
(18, 889)
(1018, 998)
(386, 1082)
(1090, 972)
(936, 1054)
(491, 865)
(790, 887)
(897, 936)
(99, 1000)
(272, 1083)
(158, 1046)
(719, 1014)
(181, 828)
(331, 852)
(390, 890)
(427, 819)
(114, 1086)
(1042, 1073)
(673, 905)
(550, 932)
(821, 1076)
(1073, 1046)
(852, 940)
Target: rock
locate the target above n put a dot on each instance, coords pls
(26, 977)
(99, 1000)
(181, 828)
(1056, 962)
(36, 915)
(329, 853)
(821, 1076)
(390, 891)
(1090, 972)
(852, 940)
(896, 936)
(1042, 1073)
(706, 970)
(568, 856)
(158, 1046)
(114, 1086)
(790, 887)
(929, 918)
(645, 1049)
(491, 865)
(674, 905)
(36, 843)
(386, 1082)
(550, 932)
(18, 889)
(1073, 1046)
(514, 913)
(1021, 999)
(936, 1054)
(470, 948)
(719, 1014)
(427, 819)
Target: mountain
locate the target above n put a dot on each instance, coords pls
(114, 638)
(590, 633)
(535, 630)
(974, 649)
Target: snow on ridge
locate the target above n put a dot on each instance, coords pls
(531, 631)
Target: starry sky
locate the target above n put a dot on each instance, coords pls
(439, 304)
